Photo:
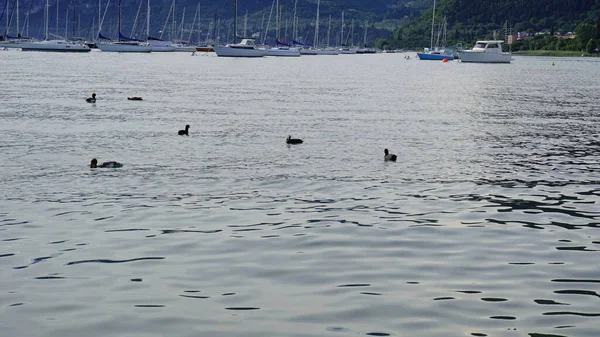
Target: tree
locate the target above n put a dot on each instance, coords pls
(585, 32)
(598, 25)
(591, 46)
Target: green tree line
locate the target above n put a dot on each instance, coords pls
(470, 20)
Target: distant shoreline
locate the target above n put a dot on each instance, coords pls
(561, 53)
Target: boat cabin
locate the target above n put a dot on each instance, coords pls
(244, 44)
(492, 46)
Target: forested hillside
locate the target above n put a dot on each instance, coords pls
(469, 20)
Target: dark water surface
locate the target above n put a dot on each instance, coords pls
(486, 226)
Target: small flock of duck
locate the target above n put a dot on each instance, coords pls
(93, 98)
(185, 132)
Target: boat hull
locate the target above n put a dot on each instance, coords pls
(434, 57)
(184, 49)
(483, 57)
(123, 48)
(55, 46)
(308, 52)
(347, 51)
(366, 51)
(206, 49)
(283, 52)
(10, 44)
(162, 49)
(225, 51)
(161, 46)
(326, 52)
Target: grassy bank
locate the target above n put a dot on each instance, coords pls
(552, 53)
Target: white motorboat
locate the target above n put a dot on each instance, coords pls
(246, 48)
(486, 52)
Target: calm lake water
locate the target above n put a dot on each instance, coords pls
(486, 226)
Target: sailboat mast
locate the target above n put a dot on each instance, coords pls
(235, 22)
(277, 20)
(198, 11)
(119, 25)
(18, 35)
(7, 19)
(245, 24)
(432, 22)
(294, 32)
(328, 30)
(173, 33)
(182, 20)
(317, 25)
(56, 17)
(365, 42)
(74, 21)
(342, 36)
(148, 20)
(47, 19)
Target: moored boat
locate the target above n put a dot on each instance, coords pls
(159, 45)
(435, 55)
(246, 48)
(486, 51)
(124, 47)
(124, 44)
(58, 45)
(206, 49)
(55, 46)
(283, 52)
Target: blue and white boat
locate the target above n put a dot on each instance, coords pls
(435, 54)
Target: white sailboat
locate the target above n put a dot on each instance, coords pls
(246, 48)
(182, 45)
(283, 49)
(11, 41)
(434, 53)
(365, 49)
(321, 51)
(157, 44)
(57, 45)
(124, 44)
(344, 49)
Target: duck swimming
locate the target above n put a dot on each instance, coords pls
(106, 164)
(135, 98)
(91, 99)
(388, 156)
(184, 132)
(291, 140)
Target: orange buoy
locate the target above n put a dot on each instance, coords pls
(445, 60)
